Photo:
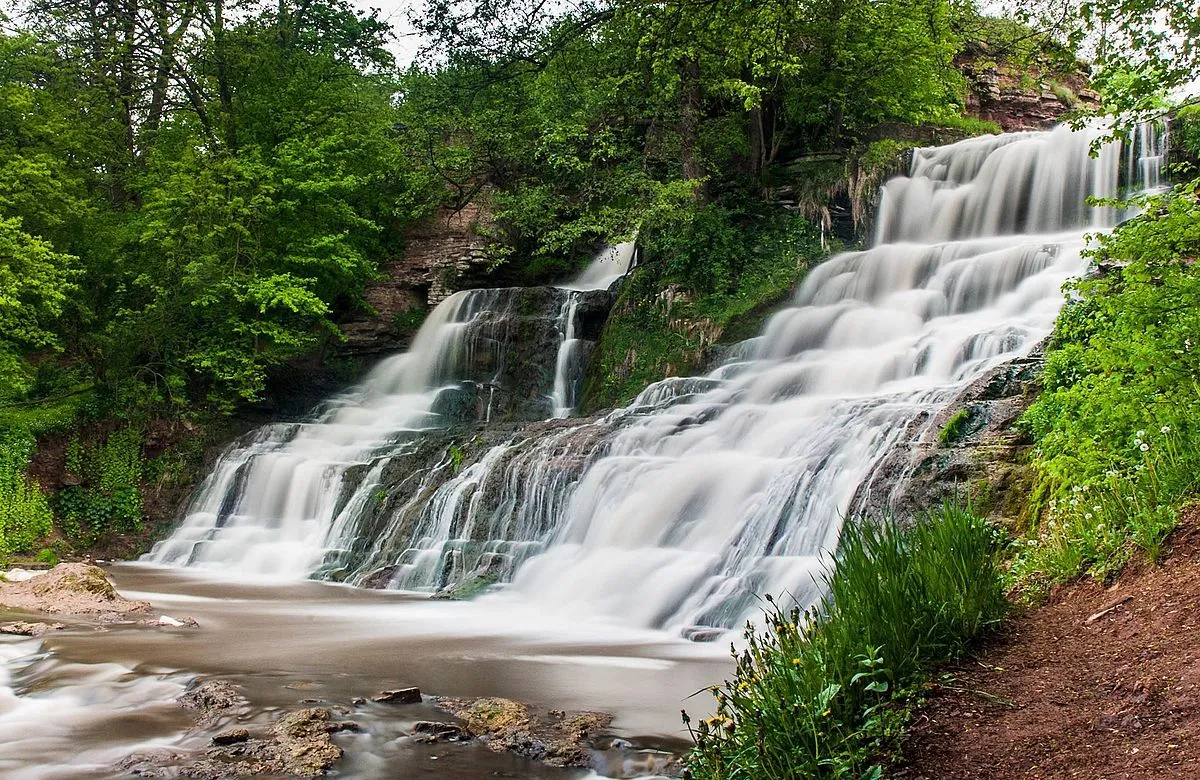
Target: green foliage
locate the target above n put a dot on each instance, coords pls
(816, 695)
(1095, 528)
(182, 222)
(1185, 131)
(108, 496)
(954, 427)
(970, 125)
(596, 120)
(34, 284)
(25, 516)
(729, 269)
(47, 556)
(1115, 427)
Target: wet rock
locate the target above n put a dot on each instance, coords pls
(21, 628)
(555, 738)
(985, 460)
(380, 578)
(427, 731)
(212, 700)
(398, 696)
(231, 737)
(77, 589)
(304, 745)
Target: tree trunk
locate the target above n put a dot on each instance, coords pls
(689, 129)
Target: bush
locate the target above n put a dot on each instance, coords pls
(108, 497)
(814, 695)
(1115, 429)
(25, 515)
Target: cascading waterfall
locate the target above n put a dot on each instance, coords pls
(676, 510)
(607, 267)
(275, 503)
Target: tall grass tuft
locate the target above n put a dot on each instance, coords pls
(813, 693)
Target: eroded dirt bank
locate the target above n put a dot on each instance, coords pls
(1098, 683)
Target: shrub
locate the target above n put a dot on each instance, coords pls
(1115, 429)
(25, 515)
(813, 695)
(108, 497)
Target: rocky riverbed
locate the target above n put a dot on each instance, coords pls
(300, 679)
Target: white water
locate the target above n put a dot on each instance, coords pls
(674, 512)
(272, 506)
(609, 265)
(69, 720)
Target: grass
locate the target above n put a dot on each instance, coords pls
(822, 694)
(1096, 527)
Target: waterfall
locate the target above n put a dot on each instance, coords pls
(276, 501)
(675, 511)
(609, 265)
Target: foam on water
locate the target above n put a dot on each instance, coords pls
(673, 513)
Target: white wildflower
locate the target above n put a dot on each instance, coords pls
(1087, 516)
(1140, 434)
(1165, 429)
(1144, 447)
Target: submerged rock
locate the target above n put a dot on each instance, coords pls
(556, 738)
(166, 621)
(298, 745)
(231, 737)
(22, 628)
(76, 589)
(434, 731)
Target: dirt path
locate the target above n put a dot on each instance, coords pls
(1060, 697)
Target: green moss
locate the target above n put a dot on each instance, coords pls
(954, 427)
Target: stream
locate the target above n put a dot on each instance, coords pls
(75, 702)
(601, 544)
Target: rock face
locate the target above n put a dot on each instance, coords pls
(488, 472)
(1022, 99)
(76, 589)
(438, 252)
(969, 450)
(556, 738)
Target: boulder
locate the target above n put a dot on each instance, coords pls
(556, 738)
(76, 589)
(398, 696)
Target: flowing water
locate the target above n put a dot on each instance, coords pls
(618, 535)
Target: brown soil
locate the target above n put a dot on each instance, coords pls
(1057, 696)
